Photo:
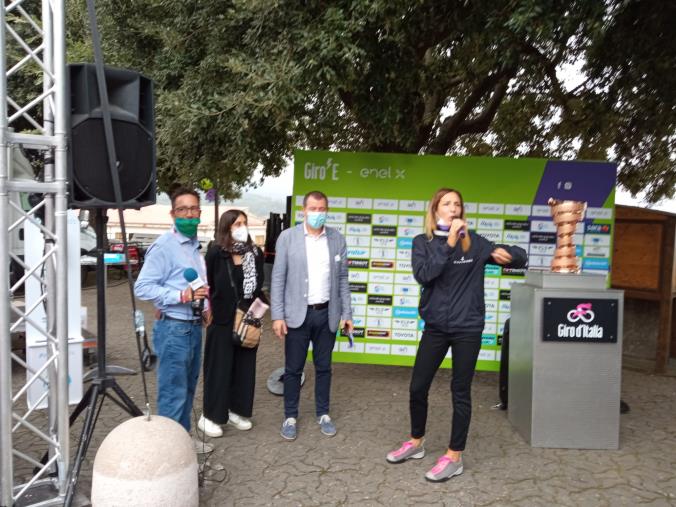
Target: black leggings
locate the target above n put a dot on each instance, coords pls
(431, 352)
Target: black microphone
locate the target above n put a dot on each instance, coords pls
(195, 282)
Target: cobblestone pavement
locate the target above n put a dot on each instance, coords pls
(370, 407)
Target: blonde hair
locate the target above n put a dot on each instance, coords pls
(430, 217)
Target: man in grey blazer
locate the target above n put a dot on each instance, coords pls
(309, 295)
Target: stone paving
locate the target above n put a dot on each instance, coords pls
(370, 408)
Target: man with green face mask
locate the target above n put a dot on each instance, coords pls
(174, 277)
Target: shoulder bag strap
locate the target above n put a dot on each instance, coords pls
(228, 263)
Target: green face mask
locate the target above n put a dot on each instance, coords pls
(187, 226)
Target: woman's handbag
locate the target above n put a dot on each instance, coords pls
(248, 325)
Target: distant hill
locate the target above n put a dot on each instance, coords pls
(259, 205)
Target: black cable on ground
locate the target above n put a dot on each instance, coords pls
(204, 467)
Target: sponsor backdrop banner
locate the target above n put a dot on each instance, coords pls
(378, 202)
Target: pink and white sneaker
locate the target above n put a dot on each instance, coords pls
(407, 451)
(444, 469)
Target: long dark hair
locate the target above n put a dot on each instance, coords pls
(223, 236)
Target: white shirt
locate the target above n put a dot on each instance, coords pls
(318, 267)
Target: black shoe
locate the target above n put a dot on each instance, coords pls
(624, 407)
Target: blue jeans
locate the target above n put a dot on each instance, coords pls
(179, 348)
(315, 329)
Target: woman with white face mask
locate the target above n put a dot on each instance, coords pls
(229, 370)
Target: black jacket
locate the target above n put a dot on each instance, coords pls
(221, 295)
(452, 299)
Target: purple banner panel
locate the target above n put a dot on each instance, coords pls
(578, 181)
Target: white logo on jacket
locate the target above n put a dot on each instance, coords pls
(462, 260)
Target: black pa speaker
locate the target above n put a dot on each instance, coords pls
(131, 107)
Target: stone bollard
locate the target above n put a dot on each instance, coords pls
(146, 462)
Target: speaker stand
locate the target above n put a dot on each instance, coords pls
(103, 382)
(111, 369)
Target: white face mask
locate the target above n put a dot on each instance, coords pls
(240, 234)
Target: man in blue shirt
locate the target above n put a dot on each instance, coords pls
(177, 334)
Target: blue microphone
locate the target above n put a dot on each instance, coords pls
(190, 275)
(195, 282)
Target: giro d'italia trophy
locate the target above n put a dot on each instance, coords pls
(566, 335)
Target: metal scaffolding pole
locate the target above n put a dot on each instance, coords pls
(61, 204)
(50, 272)
(34, 119)
(6, 468)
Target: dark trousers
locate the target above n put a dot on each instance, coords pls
(229, 376)
(431, 352)
(315, 329)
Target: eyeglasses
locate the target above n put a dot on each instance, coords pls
(183, 210)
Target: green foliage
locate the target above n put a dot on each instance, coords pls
(26, 73)
(240, 84)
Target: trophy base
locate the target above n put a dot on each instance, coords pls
(565, 264)
(575, 270)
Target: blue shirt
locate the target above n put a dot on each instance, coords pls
(161, 279)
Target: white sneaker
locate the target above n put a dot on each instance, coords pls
(209, 428)
(239, 422)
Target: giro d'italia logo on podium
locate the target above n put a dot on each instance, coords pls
(582, 312)
(574, 320)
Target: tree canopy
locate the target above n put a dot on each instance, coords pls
(242, 83)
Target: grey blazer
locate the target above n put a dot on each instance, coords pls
(289, 284)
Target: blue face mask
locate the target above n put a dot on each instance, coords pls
(316, 219)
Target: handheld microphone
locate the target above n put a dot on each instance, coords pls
(462, 233)
(139, 322)
(195, 282)
(465, 241)
(148, 358)
(445, 227)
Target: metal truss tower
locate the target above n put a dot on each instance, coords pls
(33, 118)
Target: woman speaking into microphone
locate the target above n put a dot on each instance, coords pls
(448, 262)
